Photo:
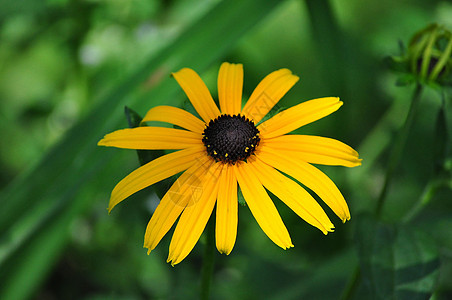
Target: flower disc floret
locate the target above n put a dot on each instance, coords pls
(230, 138)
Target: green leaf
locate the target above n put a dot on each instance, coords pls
(31, 261)
(405, 80)
(397, 262)
(396, 63)
(442, 140)
(240, 197)
(145, 156)
(274, 111)
(134, 120)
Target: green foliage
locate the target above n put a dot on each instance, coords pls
(397, 262)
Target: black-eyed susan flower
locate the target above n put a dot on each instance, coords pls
(231, 147)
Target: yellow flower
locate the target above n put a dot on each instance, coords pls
(231, 147)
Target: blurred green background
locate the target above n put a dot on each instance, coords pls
(68, 68)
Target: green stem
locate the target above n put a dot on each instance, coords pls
(427, 195)
(398, 148)
(393, 162)
(208, 260)
(352, 284)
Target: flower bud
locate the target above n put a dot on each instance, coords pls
(428, 58)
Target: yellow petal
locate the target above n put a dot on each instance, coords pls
(185, 191)
(314, 149)
(227, 211)
(197, 93)
(230, 85)
(261, 206)
(311, 177)
(293, 195)
(175, 116)
(151, 138)
(194, 218)
(155, 171)
(299, 115)
(268, 92)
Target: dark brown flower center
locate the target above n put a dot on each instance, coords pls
(230, 138)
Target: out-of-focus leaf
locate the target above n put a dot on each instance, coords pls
(8, 8)
(396, 261)
(396, 63)
(442, 140)
(55, 184)
(134, 120)
(31, 261)
(145, 156)
(240, 197)
(405, 80)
